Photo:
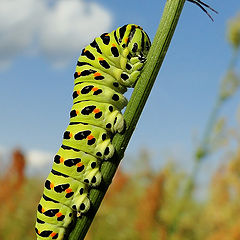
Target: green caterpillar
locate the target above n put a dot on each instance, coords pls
(106, 67)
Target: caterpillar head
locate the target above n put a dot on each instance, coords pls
(135, 44)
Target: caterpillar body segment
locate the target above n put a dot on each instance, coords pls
(103, 115)
(49, 231)
(54, 213)
(96, 92)
(79, 165)
(71, 192)
(104, 71)
(91, 74)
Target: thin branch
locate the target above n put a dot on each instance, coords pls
(133, 111)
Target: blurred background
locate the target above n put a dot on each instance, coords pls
(179, 178)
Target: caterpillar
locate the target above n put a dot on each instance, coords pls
(104, 71)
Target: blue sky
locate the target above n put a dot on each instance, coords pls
(39, 46)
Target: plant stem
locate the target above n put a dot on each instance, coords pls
(134, 108)
(200, 154)
(204, 146)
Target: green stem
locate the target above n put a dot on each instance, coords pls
(201, 153)
(233, 61)
(204, 146)
(134, 108)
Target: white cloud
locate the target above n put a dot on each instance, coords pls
(57, 30)
(68, 26)
(18, 19)
(38, 158)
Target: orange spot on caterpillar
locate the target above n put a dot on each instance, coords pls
(79, 164)
(61, 160)
(114, 45)
(53, 234)
(70, 135)
(106, 34)
(100, 59)
(68, 190)
(125, 40)
(58, 214)
(97, 74)
(90, 137)
(94, 89)
(85, 50)
(77, 112)
(96, 110)
(78, 73)
(51, 185)
(78, 92)
(43, 210)
(39, 232)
